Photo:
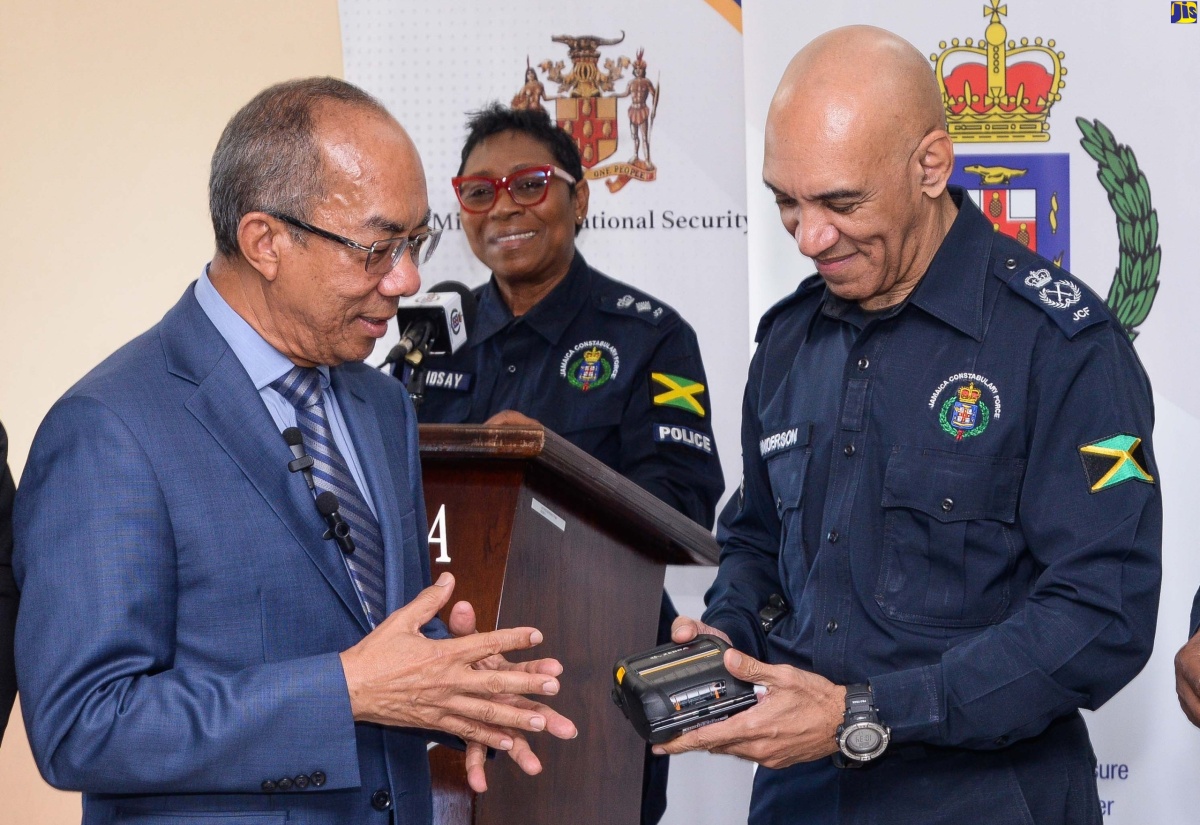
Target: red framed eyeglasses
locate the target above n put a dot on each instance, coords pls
(526, 187)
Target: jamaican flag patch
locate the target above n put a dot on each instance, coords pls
(1112, 460)
(681, 392)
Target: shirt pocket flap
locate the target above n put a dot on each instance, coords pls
(953, 487)
(785, 451)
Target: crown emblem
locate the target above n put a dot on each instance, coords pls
(592, 355)
(969, 394)
(995, 90)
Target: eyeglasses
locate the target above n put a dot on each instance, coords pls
(527, 187)
(382, 256)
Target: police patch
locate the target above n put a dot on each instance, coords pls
(449, 380)
(590, 364)
(1112, 460)
(971, 402)
(674, 434)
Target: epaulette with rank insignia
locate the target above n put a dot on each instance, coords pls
(807, 286)
(650, 310)
(1062, 296)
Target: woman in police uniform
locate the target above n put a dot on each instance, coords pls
(609, 368)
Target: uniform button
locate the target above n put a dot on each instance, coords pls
(1010, 263)
(832, 536)
(301, 781)
(381, 800)
(947, 504)
(778, 502)
(268, 785)
(1002, 741)
(848, 450)
(512, 368)
(832, 626)
(284, 784)
(318, 778)
(863, 363)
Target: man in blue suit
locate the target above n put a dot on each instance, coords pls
(190, 649)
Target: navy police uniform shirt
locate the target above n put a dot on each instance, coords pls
(958, 500)
(610, 369)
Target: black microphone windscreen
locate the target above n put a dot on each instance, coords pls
(327, 504)
(293, 437)
(466, 296)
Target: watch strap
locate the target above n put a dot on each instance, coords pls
(861, 712)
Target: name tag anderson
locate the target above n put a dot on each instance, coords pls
(778, 442)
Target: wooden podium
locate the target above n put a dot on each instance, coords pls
(538, 533)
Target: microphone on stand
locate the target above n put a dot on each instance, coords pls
(433, 323)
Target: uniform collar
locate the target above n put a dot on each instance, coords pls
(952, 288)
(549, 317)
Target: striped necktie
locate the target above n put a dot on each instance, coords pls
(301, 387)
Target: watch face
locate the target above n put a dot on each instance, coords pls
(864, 739)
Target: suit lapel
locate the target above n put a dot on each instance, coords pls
(376, 461)
(227, 404)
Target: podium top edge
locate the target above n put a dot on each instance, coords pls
(690, 543)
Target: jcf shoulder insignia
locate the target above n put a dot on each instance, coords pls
(1060, 295)
(639, 306)
(1112, 460)
(683, 393)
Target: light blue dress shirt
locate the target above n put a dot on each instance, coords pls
(265, 364)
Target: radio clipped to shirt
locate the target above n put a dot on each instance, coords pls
(675, 688)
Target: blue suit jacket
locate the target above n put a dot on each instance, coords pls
(181, 616)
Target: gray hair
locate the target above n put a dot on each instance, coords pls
(267, 159)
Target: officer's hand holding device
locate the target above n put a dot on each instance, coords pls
(675, 688)
(808, 716)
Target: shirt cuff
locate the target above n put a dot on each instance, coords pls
(910, 703)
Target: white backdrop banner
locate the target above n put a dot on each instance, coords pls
(675, 226)
(1097, 169)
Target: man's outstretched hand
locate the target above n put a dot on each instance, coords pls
(462, 686)
(462, 625)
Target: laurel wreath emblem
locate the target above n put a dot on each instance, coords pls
(605, 374)
(1060, 302)
(1135, 283)
(985, 415)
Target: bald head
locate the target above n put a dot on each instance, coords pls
(861, 81)
(858, 157)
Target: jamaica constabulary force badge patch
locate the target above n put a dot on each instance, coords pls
(965, 405)
(590, 364)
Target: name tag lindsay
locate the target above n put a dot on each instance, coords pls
(448, 380)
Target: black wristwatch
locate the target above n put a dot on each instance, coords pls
(861, 737)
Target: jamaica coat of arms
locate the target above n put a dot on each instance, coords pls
(586, 106)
